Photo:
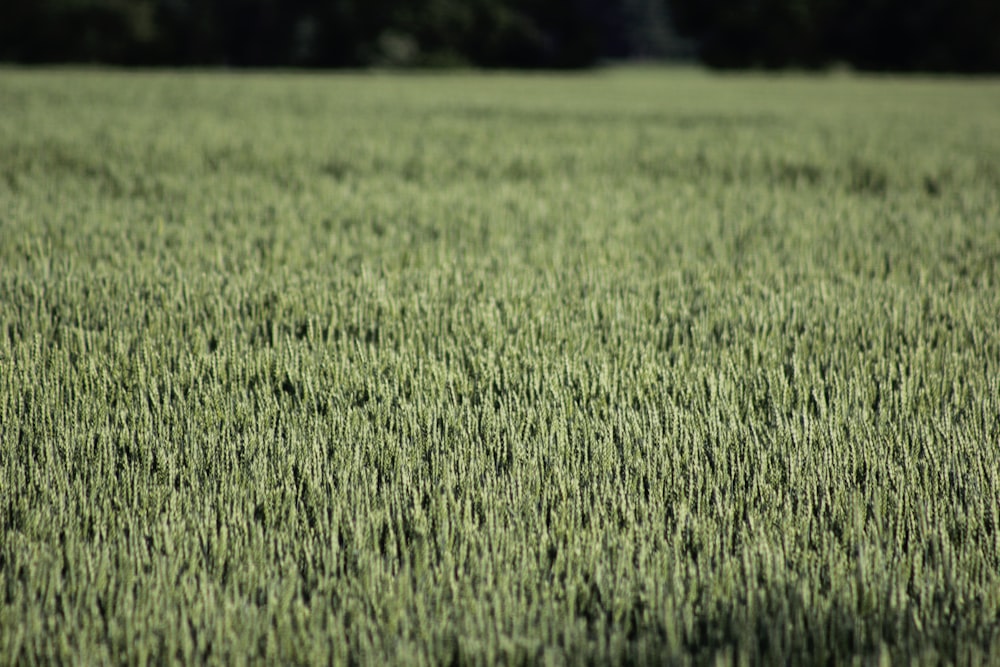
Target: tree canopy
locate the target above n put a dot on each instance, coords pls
(935, 35)
(925, 35)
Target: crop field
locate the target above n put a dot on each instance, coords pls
(640, 366)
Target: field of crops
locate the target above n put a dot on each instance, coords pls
(642, 366)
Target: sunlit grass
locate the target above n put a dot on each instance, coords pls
(643, 366)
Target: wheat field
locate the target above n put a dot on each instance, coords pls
(642, 366)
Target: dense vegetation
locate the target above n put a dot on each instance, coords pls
(925, 35)
(334, 33)
(647, 366)
(900, 35)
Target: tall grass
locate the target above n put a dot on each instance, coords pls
(644, 366)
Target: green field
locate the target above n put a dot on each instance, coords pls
(638, 366)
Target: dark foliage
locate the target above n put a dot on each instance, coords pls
(901, 35)
(313, 33)
(926, 35)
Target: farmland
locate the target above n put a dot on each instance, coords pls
(643, 366)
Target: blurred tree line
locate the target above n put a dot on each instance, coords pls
(940, 35)
(333, 33)
(916, 35)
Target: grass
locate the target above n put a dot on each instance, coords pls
(643, 366)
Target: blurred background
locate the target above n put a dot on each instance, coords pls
(893, 35)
